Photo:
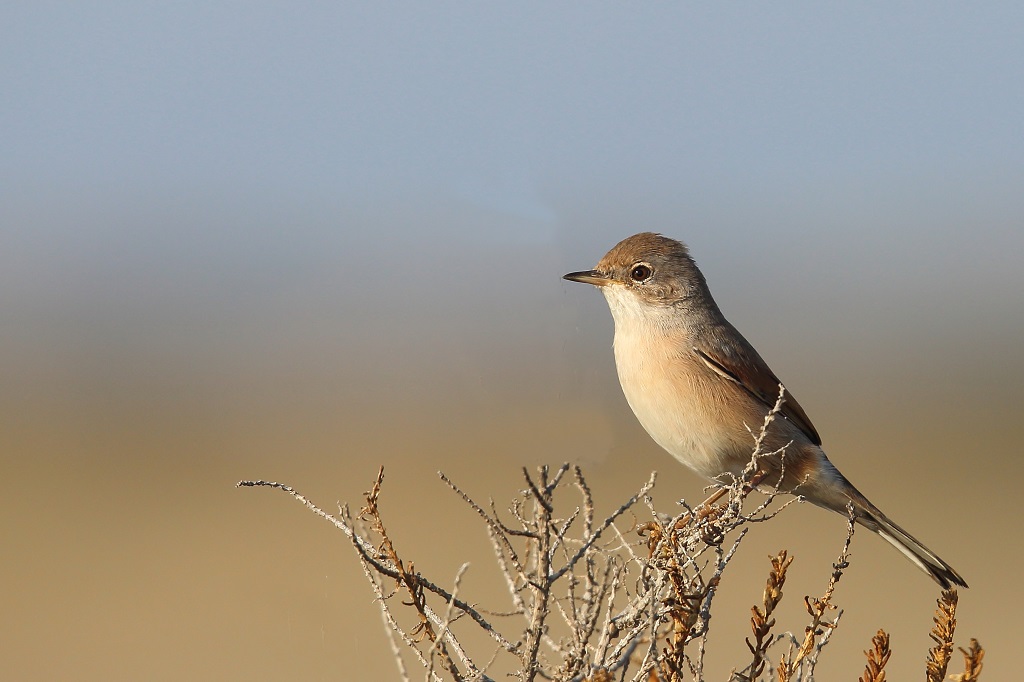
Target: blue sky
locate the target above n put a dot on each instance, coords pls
(346, 98)
(178, 157)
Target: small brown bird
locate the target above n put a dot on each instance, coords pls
(696, 384)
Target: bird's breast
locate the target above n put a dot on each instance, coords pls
(685, 408)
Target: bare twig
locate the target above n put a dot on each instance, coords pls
(592, 601)
(817, 633)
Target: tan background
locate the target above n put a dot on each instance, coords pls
(305, 246)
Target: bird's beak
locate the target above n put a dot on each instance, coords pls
(589, 277)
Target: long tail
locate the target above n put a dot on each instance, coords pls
(831, 490)
(928, 561)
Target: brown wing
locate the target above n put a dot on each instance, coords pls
(738, 362)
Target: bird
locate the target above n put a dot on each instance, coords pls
(696, 385)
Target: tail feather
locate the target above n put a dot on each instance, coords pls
(831, 490)
(928, 561)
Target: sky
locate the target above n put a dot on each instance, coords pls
(304, 239)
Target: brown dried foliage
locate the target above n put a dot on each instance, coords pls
(601, 675)
(648, 637)
(878, 656)
(407, 578)
(582, 617)
(762, 622)
(688, 592)
(820, 628)
(942, 635)
(972, 662)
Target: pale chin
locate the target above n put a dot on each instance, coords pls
(625, 304)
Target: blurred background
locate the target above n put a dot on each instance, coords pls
(298, 241)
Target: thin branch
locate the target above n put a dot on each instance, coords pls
(604, 525)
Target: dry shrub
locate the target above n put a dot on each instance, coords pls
(597, 599)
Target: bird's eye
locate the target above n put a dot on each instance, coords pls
(641, 272)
